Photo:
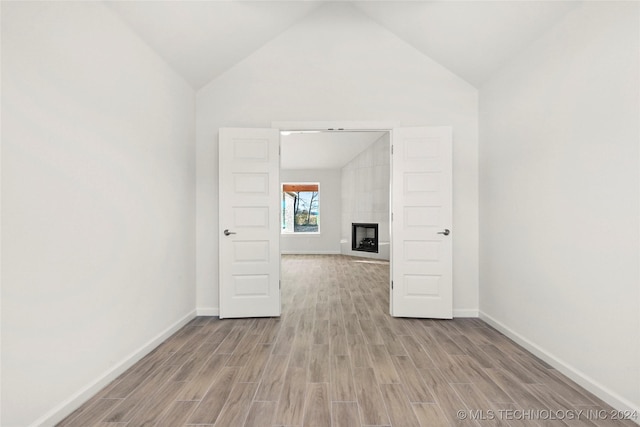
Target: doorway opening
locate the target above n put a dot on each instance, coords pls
(353, 168)
(419, 189)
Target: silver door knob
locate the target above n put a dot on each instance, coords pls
(227, 232)
(445, 232)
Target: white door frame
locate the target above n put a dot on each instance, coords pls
(353, 126)
(333, 126)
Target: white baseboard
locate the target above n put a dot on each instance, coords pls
(208, 311)
(310, 252)
(63, 410)
(465, 312)
(615, 400)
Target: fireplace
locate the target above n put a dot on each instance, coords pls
(364, 237)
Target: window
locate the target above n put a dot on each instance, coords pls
(300, 208)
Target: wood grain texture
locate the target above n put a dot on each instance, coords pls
(342, 388)
(398, 406)
(430, 414)
(273, 379)
(417, 390)
(177, 414)
(317, 412)
(291, 401)
(212, 403)
(261, 414)
(196, 388)
(235, 411)
(335, 358)
(372, 408)
(344, 414)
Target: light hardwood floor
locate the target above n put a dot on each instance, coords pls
(336, 358)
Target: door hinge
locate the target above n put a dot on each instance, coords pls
(392, 150)
(391, 216)
(279, 284)
(392, 284)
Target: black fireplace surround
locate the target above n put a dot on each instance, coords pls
(364, 237)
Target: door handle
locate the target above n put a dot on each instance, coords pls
(445, 232)
(227, 232)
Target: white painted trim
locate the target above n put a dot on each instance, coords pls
(310, 252)
(337, 125)
(208, 311)
(388, 126)
(63, 410)
(638, 409)
(584, 380)
(465, 312)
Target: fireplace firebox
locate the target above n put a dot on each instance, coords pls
(364, 237)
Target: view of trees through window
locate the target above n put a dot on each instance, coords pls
(300, 208)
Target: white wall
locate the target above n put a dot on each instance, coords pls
(559, 199)
(328, 241)
(365, 196)
(98, 204)
(338, 65)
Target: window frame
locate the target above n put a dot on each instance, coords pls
(283, 232)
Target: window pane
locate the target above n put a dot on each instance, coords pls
(300, 208)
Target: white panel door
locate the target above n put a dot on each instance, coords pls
(249, 222)
(421, 223)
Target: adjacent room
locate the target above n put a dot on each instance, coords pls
(351, 174)
(113, 212)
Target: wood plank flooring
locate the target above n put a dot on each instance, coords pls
(336, 358)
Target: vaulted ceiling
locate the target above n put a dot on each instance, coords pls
(203, 39)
